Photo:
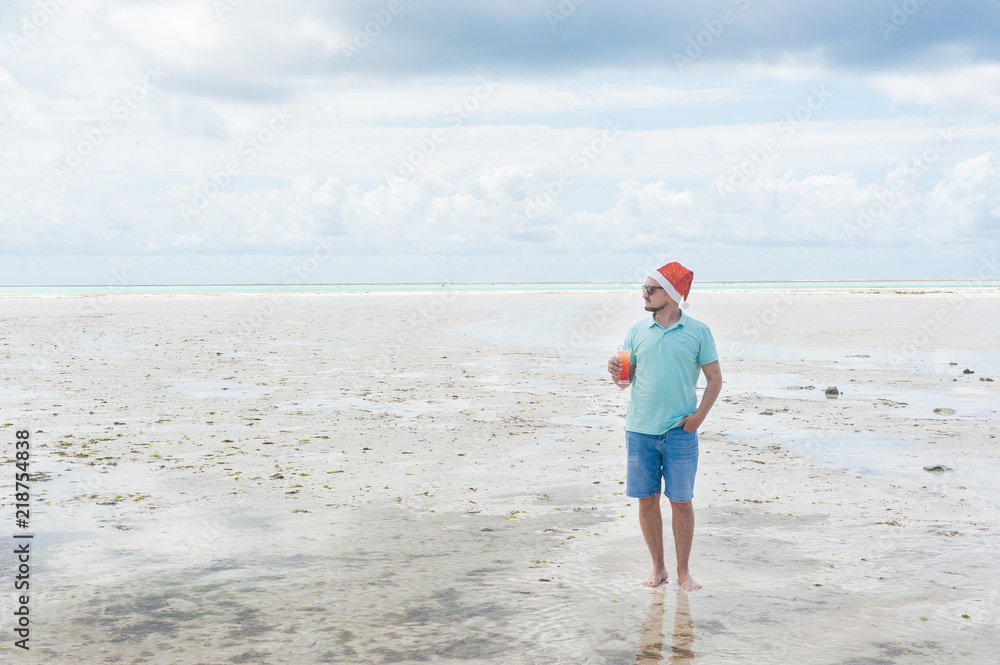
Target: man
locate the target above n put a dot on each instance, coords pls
(661, 423)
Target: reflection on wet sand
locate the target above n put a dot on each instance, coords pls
(651, 640)
(683, 632)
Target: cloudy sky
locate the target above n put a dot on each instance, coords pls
(244, 141)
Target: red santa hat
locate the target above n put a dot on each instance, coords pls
(676, 281)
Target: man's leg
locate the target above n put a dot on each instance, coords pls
(643, 482)
(682, 521)
(651, 522)
(680, 466)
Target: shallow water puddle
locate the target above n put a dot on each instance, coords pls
(859, 452)
(590, 420)
(256, 578)
(378, 585)
(336, 401)
(219, 389)
(562, 326)
(22, 394)
(939, 361)
(967, 400)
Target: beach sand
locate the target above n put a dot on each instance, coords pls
(427, 477)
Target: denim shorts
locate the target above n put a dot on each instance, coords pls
(668, 460)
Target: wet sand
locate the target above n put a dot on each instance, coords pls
(432, 477)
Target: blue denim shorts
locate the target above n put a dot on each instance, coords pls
(668, 461)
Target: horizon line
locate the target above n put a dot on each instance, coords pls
(693, 285)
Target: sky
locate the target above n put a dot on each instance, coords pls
(396, 141)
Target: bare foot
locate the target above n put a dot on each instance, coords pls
(687, 583)
(655, 578)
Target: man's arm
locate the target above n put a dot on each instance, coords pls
(713, 375)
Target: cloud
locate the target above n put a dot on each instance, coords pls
(966, 205)
(828, 210)
(535, 93)
(266, 52)
(435, 35)
(973, 87)
(90, 217)
(430, 215)
(183, 33)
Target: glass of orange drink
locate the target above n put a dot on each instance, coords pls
(624, 355)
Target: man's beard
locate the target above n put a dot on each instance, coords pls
(650, 308)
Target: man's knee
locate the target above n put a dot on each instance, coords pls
(678, 507)
(647, 502)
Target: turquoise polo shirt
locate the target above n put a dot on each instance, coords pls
(667, 364)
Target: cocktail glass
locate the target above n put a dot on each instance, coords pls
(624, 356)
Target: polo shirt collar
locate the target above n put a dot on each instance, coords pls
(678, 323)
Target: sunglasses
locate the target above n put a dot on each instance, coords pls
(648, 290)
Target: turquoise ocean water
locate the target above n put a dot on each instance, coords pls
(437, 287)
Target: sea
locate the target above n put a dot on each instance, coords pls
(484, 286)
